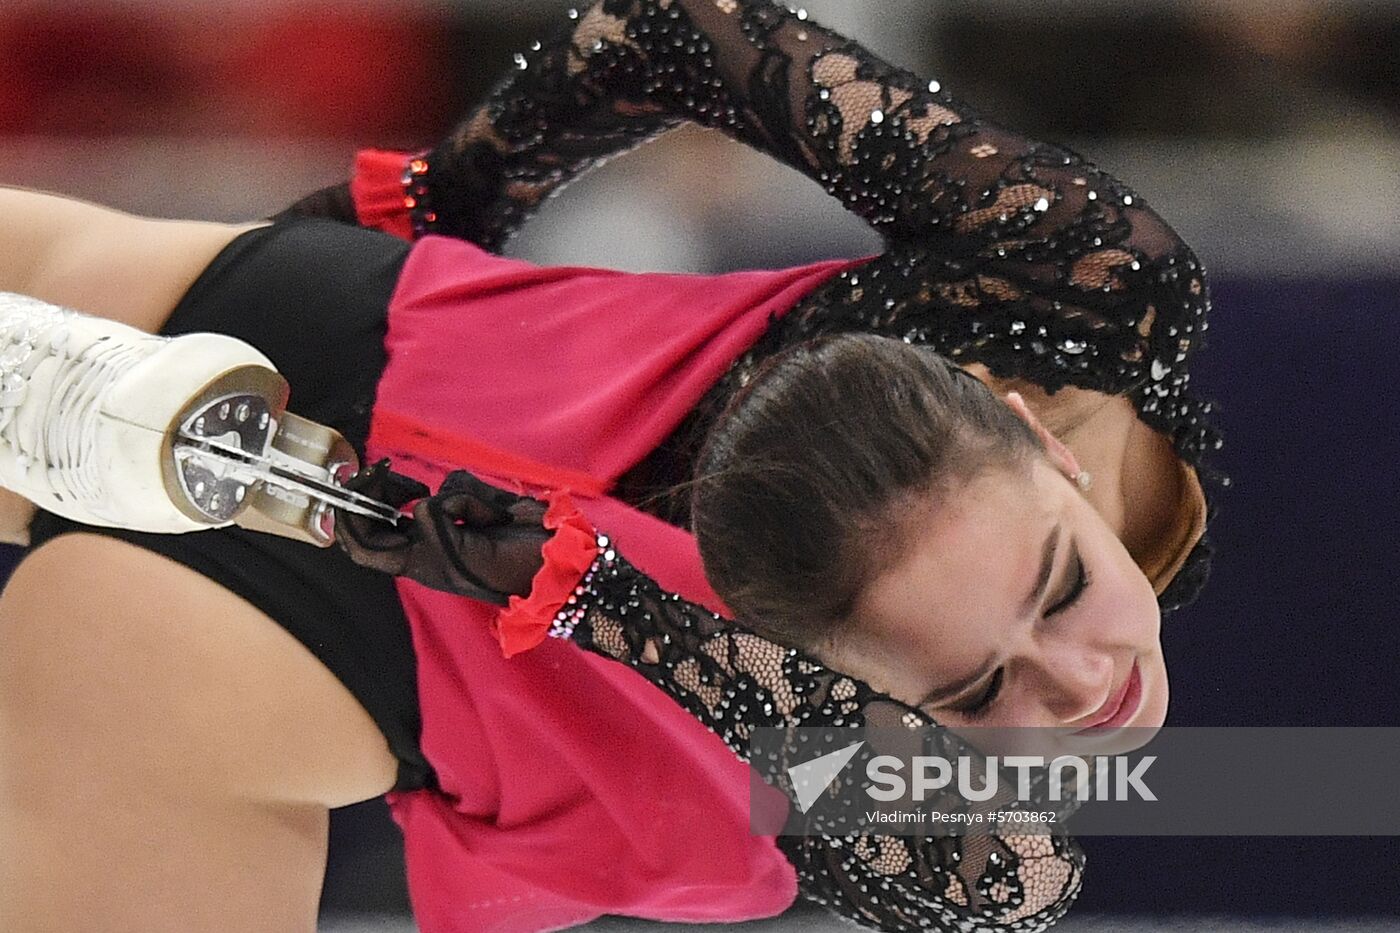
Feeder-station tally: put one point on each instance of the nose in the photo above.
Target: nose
(1075, 680)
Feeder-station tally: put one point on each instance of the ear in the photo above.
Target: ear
(1061, 455)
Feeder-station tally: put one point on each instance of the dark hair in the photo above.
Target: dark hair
(799, 484)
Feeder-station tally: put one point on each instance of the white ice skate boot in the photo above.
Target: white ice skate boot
(107, 425)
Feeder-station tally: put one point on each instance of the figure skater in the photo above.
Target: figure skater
(872, 516)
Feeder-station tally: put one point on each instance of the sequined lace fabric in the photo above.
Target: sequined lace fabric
(737, 682)
(999, 250)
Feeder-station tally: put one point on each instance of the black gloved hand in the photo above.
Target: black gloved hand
(470, 538)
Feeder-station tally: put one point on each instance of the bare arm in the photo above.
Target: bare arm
(102, 262)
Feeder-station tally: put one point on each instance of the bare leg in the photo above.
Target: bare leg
(168, 754)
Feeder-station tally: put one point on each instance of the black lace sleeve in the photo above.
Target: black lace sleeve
(1000, 249)
(736, 682)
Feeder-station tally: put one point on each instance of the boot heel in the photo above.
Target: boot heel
(241, 409)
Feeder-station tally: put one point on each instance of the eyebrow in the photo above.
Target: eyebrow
(1037, 594)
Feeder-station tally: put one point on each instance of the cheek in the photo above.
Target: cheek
(1156, 695)
(1122, 605)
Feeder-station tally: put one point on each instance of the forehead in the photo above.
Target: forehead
(968, 562)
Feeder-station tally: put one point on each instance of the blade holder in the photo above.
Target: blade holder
(226, 452)
(216, 485)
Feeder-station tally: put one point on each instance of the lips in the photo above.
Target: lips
(1121, 706)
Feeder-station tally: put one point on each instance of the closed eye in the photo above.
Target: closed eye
(1080, 584)
(979, 706)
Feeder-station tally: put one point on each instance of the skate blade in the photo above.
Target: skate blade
(237, 455)
(291, 513)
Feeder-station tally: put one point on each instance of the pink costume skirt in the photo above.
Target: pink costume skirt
(569, 786)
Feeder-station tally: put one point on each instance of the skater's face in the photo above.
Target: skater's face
(984, 622)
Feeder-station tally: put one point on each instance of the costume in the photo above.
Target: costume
(1001, 250)
(567, 786)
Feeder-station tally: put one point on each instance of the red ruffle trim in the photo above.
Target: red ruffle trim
(377, 189)
(524, 623)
